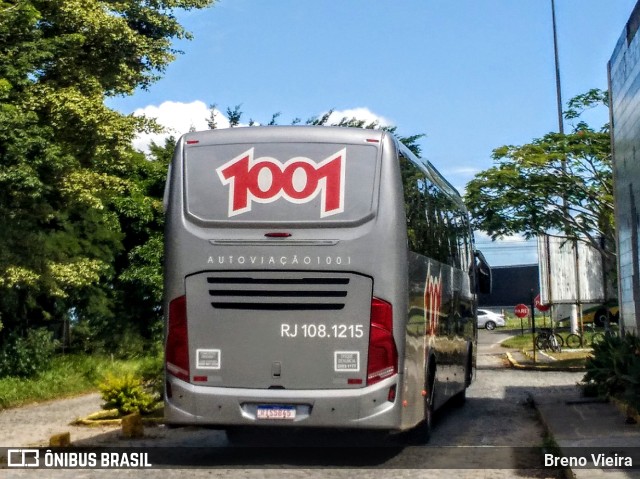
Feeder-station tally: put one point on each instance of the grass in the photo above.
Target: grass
(69, 375)
(522, 341)
(568, 358)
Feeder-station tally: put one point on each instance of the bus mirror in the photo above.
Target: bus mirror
(483, 272)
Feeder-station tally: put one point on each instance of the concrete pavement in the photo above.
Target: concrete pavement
(577, 423)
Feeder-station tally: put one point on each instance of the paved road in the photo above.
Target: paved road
(497, 413)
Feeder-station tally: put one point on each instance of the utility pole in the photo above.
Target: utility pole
(557, 59)
(565, 212)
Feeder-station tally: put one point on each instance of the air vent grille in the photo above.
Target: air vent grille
(306, 293)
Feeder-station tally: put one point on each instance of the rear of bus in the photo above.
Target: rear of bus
(285, 279)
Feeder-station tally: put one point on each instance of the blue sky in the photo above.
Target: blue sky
(471, 75)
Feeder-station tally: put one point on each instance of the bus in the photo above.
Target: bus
(315, 277)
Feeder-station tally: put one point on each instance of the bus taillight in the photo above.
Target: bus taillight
(177, 352)
(383, 355)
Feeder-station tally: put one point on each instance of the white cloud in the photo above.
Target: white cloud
(462, 170)
(360, 113)
(177, 118)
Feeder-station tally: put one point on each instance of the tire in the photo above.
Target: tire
(554, 344)
(427, 424)
(559, 339)
(541, 342)
(573, 341)
(601, 317)
(461, 398)
(490, 325)
(422, 432)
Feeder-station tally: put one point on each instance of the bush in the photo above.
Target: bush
(614, 369)
(152, 372)
(127, 394)
(27, 356)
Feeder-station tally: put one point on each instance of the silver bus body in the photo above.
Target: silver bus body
(314, 277)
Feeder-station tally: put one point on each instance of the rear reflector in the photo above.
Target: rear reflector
(391, 397)
(383, 354)
(177, 349)
(278, 235)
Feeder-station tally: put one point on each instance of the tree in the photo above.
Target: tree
(235, 114)
(72, 189)
(525, 191)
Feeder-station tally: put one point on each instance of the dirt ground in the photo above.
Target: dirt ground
(34, 424)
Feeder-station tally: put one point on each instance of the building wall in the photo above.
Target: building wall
(624, 89)
(511, 285)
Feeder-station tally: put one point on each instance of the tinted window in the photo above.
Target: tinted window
(280, 182)
(435, 226)
(415, 188)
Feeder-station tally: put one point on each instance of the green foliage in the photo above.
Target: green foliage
(68, 375)
(151, 371)
(614, 368)
(525, 190)
(234, 114)
(80, 209)
(65, 376)
(127, 394)
(26, 356)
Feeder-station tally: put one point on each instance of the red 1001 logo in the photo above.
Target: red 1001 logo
(432, 302)
(299, 180)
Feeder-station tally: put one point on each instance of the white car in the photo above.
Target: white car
(489, 320)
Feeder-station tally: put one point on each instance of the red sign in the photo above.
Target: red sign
(298, 180)
(539, 306)
(432, 302)
(521, 310)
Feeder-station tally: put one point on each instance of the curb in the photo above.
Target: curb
(539, 366)
(105, 418)
(568, 472)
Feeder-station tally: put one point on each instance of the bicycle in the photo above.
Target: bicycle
(548, 340)
(575, 340)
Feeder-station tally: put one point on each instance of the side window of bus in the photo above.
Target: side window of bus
(464, 242)
(415, 195)
(442, 250)
(453, 223)
(435, 226)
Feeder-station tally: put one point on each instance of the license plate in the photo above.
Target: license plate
(276, 412)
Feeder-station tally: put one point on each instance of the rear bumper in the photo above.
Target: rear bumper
(362, 408)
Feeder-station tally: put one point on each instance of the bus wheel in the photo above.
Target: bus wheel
(422, 432)
(461, 398)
